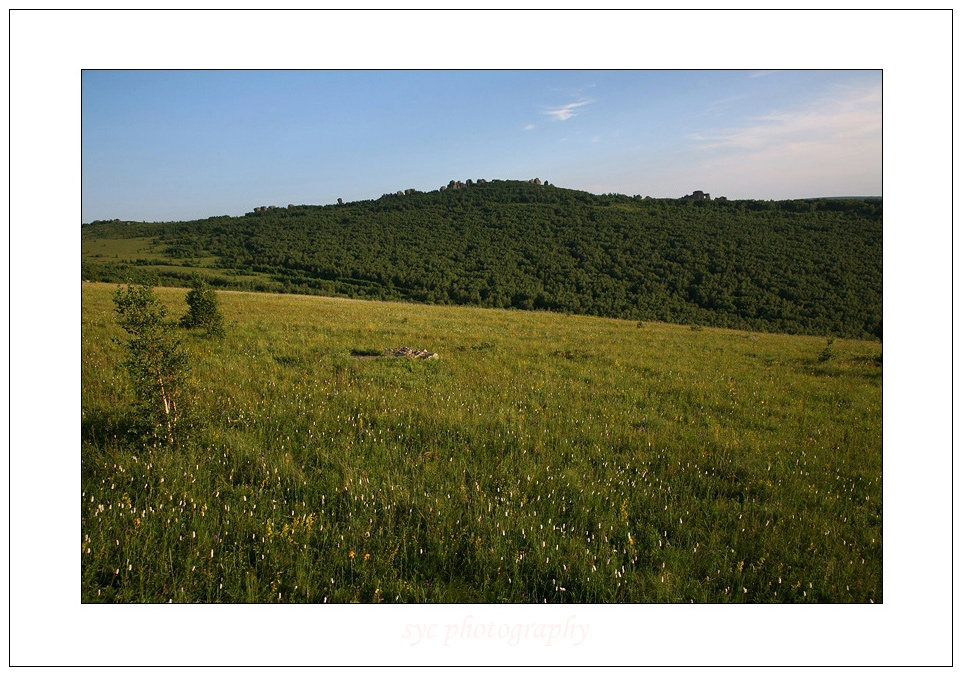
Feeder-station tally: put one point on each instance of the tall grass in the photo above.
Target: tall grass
(542, 458)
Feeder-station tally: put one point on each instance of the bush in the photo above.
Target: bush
(827, 353)
(203, 310)
(156, 361)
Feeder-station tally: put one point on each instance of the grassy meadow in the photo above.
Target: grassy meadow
(541, 458)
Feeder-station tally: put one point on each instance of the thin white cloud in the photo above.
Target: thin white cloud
(528, 127)
(567, 111)
(848, 115)
(836, 139)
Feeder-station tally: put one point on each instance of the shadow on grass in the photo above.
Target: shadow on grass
(100, 426)
(863, 367)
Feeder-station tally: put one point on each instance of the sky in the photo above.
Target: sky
(160, 145)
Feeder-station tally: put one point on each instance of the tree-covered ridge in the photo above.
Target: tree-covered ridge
(801, 266)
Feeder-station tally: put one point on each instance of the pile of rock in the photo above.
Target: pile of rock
(409, 353)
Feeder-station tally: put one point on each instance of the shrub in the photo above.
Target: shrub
(827, 353)
(156, 361)
(203, 310)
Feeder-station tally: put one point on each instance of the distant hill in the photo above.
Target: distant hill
(798, 266)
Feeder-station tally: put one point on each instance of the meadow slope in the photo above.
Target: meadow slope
(542, 457)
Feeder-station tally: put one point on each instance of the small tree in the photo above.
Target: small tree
(156, 361)
(203, 310)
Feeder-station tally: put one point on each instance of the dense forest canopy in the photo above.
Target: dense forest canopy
(800, 266)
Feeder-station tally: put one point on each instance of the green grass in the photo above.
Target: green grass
(149, 255)
(543, 457)
(146, 252)
(130, 248)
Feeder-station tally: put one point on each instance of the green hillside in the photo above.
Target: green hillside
(804, 266)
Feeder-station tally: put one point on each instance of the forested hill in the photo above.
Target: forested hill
(802, 266)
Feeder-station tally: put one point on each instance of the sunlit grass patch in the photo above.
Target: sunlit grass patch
(542, 457)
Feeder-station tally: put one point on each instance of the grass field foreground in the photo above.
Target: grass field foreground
(542, 457)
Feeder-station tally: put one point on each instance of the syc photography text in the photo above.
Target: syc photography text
(570, 633)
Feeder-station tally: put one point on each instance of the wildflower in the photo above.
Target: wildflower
(351, 555)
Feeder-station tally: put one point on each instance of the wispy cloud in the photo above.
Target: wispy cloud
(840, 117)
(835, 137)
(567, 111)
(528, 127)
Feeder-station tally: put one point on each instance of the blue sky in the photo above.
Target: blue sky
(184, 144)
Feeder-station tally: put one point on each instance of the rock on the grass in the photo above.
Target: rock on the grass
(409, 353)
